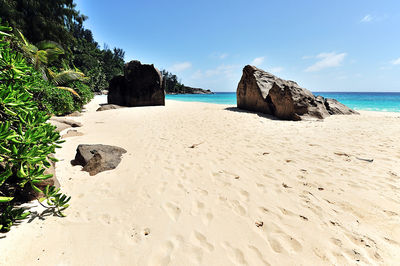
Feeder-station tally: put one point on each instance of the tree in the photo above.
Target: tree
(42, 19)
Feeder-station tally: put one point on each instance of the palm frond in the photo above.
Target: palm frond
(22, 37)
(70, 90)
(68, 76)
(41, 57)
(44, 45)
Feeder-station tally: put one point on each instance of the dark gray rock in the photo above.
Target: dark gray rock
(141, 85)
(106, 107)
(263, 92)
(336, 108)
(97, 158)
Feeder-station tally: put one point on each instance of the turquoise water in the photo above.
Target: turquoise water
(370, 101)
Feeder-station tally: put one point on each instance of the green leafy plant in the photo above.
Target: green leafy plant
(26, 139)
(11, 216)
(56, 202)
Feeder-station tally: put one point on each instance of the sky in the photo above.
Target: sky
(351, 45)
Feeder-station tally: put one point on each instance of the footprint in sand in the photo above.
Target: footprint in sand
(235, 255)
(275, 245)
(198, 209)
(203, 241)
(163, 257)
(172, 210)
(287, 212)
(259, 255)
(238, 208)
(276, 236)
(244, 195)
(162, 187)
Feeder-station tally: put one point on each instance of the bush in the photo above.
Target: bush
(26, 139)
(60, 102)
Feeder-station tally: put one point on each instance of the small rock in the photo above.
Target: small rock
(259, 223)
(106, 107)
(72, 133)
(63, 123)
(75, 114)
(98, 158)
(303, 217)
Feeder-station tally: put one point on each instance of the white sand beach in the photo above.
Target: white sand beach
(254, 191)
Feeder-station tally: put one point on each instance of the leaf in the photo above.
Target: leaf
(68, 76)
(6, 199)
(22, 37)
(5, 175)
(35, 188)
(70, 90)
(5, 34)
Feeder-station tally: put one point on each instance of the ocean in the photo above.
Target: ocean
(369, 101)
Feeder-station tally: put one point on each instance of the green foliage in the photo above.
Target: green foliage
(60, 22)
(56, 202)
(99, 65)
(26, 139)
(171, 83)
(40, 55)
(56, 101)
(10, 216)
(42, 19)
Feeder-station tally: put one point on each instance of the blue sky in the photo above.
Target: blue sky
(351, 45)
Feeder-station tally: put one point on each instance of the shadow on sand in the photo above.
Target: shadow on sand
(235, 109)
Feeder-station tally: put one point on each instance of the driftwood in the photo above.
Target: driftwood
(195, 145)
(358, 158)
(366, 160)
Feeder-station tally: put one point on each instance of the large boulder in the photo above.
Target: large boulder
(336, 108)
(263, 92)
(140, 85)
(97, 158)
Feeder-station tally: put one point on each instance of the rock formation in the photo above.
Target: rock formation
(336, 108)
(98, 158)
(106, 107)
(263, 92)
(140, 85)
(190, 90)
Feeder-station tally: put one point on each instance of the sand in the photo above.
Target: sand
(253, 191)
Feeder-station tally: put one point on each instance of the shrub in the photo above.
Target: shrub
(59, 102)
(26, 139)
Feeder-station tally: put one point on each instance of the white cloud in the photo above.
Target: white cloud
(367, 18)
(219, 55)
(226, 71)
(257, 61)
(179, 67)
(223, 56)
(327, 60)
(197, 75)
(276, 70)
(396, 61)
